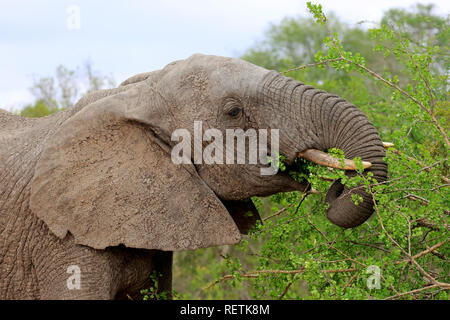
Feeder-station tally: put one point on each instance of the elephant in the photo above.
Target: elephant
(92, 191)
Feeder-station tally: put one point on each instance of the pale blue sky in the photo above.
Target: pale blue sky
(128, 37)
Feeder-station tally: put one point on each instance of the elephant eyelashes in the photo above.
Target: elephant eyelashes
(235, 112)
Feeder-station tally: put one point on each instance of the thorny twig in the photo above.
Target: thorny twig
(313, 64)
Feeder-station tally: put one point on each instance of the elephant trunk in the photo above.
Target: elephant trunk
(347, 128)
(325, 121)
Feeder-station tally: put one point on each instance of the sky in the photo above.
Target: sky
(129, 37)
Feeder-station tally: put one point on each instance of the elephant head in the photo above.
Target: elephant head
(107, 177)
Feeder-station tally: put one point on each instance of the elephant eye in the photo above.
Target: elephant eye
(234, 112)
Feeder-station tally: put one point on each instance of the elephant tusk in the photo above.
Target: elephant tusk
(387, 145)
(324, 159)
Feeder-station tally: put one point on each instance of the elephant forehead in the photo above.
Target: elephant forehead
(220, 75)
(237, 74)
(236, 80)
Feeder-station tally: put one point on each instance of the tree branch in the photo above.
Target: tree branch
(256, 274)
(411, 292)
(429, 250)
(313, 65)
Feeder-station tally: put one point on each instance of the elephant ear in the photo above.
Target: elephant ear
(106, 178)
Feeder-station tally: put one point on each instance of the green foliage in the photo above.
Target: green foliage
(152, 293)
(59, 92)
(39, 109)
(397, 74)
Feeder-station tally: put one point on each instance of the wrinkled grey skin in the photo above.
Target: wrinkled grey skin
(94, 186)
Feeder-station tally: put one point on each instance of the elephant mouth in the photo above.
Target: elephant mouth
(296, 168)
(293, 174)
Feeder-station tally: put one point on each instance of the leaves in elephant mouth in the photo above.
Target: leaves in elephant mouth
(298, 170)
